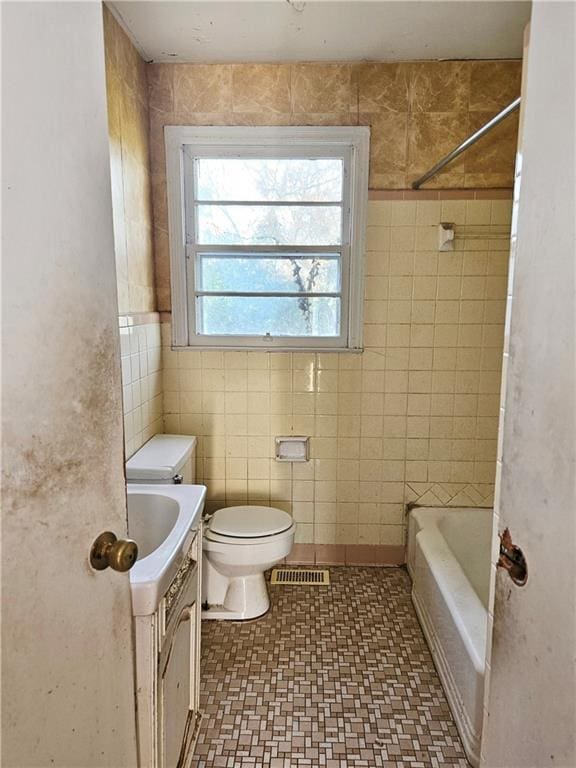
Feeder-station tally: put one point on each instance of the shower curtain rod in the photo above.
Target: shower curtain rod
(468, 142)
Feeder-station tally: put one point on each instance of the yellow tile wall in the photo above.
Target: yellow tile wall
(128, 126)
(417, 111)
(412, 418)
(141, 360)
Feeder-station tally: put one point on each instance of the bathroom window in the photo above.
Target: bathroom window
(266, 236)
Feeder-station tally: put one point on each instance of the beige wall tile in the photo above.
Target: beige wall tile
(443, 86)
(130, 169)
(383, 87)
(387, 142)
(142, 385)
(434, 134)
(261, 88)
(322, 88)
(160, 79)
(493, 84)
(202, 88)
(318, 118)
(496, 152)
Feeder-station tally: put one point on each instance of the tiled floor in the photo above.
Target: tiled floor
(332, 677)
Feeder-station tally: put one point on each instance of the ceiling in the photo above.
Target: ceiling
(323, 30)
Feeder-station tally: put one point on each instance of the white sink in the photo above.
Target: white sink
(162, 520)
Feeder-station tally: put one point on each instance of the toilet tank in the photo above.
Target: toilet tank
(164, 459)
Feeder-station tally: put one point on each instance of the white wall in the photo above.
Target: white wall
(530, 715)
(67, 657)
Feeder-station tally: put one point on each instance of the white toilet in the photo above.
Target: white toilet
(239, 544)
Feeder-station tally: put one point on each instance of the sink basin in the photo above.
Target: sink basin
(162, 520)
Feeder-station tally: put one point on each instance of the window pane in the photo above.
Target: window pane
(290, 273)
(269, 179)
(268, 225)
(259, 315)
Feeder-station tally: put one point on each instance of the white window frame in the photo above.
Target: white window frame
(349, 143)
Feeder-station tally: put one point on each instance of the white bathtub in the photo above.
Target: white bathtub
(449, 562)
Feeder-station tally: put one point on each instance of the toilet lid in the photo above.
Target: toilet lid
(249, 522)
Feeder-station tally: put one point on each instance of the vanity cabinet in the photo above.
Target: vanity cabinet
(168, 670)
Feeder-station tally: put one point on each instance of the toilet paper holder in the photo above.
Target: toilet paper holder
(292, 448)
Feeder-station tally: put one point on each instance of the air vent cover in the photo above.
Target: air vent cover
(312, 577)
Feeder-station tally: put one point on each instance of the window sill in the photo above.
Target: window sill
(220, 348)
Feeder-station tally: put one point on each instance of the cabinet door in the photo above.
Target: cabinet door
(176, 691)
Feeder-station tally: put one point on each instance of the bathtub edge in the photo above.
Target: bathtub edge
(470, 739)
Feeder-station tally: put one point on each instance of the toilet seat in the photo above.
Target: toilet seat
(218, 541)
(248, 522)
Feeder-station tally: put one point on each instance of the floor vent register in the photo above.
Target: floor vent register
(313, 577)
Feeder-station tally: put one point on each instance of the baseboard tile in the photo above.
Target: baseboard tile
(330, 554)
(347, 554)
(301, 554)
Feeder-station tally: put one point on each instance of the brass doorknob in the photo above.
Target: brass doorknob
(107, 550)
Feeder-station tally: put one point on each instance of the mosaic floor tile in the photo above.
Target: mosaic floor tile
(331, 677)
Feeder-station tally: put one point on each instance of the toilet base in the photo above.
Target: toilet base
(219, 613)
(246, 598)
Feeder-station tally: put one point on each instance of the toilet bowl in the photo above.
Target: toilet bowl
(239, 545)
